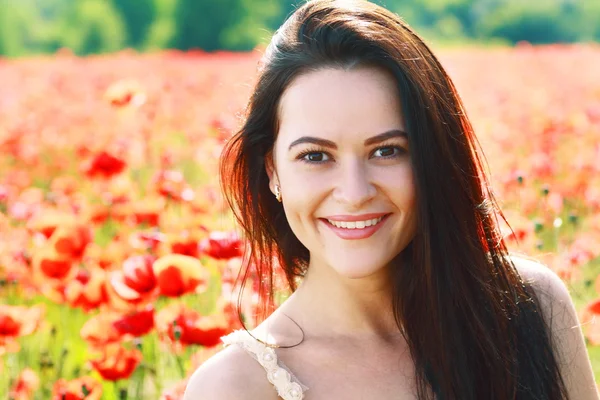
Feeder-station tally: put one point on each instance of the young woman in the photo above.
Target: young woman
(357, 172)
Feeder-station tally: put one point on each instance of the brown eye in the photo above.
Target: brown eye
(313, 157)
(389, 151)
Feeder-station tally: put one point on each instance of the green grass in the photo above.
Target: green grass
(582, 292)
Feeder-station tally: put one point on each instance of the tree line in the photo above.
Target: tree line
(101, 26)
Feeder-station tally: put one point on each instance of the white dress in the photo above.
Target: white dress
(287, 385)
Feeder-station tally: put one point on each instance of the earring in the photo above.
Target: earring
(277, 193)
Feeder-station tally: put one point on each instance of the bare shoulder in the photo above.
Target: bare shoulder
(553, 294)
(560, 314)
(541, 278)
(231, 374)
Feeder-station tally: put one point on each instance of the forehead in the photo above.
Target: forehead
(330, 102)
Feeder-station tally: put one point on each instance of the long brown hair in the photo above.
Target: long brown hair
(474, 328)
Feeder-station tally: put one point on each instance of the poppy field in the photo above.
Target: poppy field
(118, 255)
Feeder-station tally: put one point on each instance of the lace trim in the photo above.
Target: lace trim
(287, 385)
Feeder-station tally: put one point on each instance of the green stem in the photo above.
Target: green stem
(158, 362)
(64, 318)
(140, 383)
(180, 366)
(116, 390)
(4, 384)
(153, 375)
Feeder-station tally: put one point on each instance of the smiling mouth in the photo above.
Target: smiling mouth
(355, 224)
(356, 230)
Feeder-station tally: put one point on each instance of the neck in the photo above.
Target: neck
(327, 305)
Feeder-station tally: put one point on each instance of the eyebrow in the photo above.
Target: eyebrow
(372, 140)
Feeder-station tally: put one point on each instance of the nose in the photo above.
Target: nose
(354, 187)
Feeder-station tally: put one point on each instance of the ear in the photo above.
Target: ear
(270, 169)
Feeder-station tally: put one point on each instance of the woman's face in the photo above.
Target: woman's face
(341, 153)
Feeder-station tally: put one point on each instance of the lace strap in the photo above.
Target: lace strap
(287, 385)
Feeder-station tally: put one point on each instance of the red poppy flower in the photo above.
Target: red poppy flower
(136, 282)
(71, 240)
(138, 273)
(16, 321)
(87, 290)
(222, 245)
(98, 213)
(25, 386)
(125, 93)
(136, 323)
(47, 263)
(186, 247)
(117, 362)
(189, 327)
(103, 165)
(178, 274)
(589, 321)
(147, 211)
(149, 218)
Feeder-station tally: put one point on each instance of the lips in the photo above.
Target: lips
(359, 233)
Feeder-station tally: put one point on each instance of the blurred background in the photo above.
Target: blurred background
(118, 254)
(29, 27)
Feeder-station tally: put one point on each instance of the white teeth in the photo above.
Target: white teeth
(355, 224)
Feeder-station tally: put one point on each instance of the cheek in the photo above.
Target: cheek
(400, 187)
(300, 203)
(305, 186)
